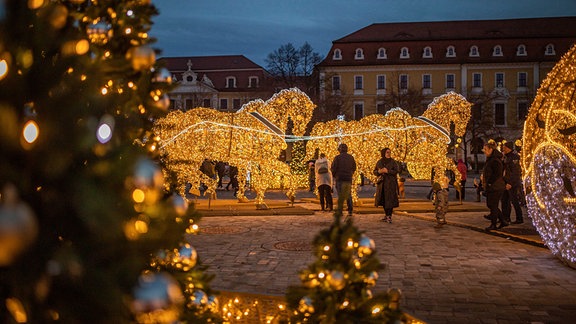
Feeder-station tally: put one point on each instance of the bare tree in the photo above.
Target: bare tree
(293, 67)
(408, 98)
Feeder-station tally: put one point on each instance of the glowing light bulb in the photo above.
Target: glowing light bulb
(31, 131)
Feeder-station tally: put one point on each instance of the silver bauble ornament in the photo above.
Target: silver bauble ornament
(155, 292)
(18, 225)
(147, 175)
(180, 204)
(162, 75)
(305, 305)
(187, 256)
(336, 280)
(99, 32)
(372, 278)
(199, 298)
(161, 103)
(365, 246)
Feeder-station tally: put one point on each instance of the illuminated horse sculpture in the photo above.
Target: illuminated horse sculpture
(250, 139)
(420, 142)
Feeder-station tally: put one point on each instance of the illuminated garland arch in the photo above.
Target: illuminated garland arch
(549, 159)
(420, 142)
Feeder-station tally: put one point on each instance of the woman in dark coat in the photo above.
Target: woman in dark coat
(494, 185)
(387, 189)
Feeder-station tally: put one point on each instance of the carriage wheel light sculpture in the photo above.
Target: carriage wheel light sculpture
(549, 161)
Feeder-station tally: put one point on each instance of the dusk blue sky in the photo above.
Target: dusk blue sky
(254, 28)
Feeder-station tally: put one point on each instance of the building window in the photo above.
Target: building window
(230, 82)
(381, 82)
(497, 51)
(522, 79)
(382, 53)
(335, 83)
(499, 80)
(474, 51)
(426, 81)
(358, 110)
(188, 104)
(224, 104)
(550, 50)
(404, 53)
(380, 108)
(206, 103)
(450, 51)
(359, 54)
(236, 104)
(522, 110)
(477, 80)
(403, 82)
(337, 54)
(253, 82)
(521, 50)
(499, 114)
(450, 81)
(427, 52)
(358, 82)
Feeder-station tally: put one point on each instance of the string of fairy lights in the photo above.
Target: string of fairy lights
(549, 159)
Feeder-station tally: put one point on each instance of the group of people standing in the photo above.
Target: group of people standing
(502, 184)
(341, 171)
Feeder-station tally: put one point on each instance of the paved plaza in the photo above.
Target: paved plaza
(455, 274)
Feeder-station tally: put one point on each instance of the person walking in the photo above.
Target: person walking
(441, 200)
(343, 168)
(513, 180)
(324, 182)
(386, 196)
(463, 169)
(494, 185)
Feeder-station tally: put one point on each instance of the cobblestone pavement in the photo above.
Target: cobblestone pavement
(455, 274)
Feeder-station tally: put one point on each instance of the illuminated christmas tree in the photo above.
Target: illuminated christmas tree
(336, 287)
(83, 203)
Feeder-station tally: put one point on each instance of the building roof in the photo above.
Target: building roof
(534, 33)
(208, 63)
(465, 29)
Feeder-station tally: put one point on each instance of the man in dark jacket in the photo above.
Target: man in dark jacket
(343, 168)
(513, 180)
(494, 185)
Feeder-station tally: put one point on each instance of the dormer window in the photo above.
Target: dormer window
(497, 51)
(404, 53)
(253, 82)
(427, 52)
(450, 51)
(521, 50)
(337, 54)
(382, 53)
(230, 82)
(550, 50)
(474, 51)
(359, 54)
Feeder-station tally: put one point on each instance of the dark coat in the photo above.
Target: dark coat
(387, 190)
(343, 167)
(512, 169)
(494, 173)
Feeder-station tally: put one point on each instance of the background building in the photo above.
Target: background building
(220, 82)
(496, 64)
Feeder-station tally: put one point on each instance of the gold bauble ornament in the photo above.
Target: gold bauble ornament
(336, 280)
(141, 57)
